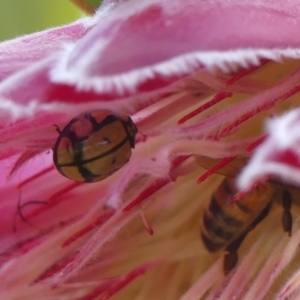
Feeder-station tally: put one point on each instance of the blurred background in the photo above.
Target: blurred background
(19, 17)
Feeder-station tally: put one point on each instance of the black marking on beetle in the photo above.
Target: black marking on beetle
(77, 149)
(87, 174)
(82, 162)
(131, 130)
(105, 122)
(91, 119)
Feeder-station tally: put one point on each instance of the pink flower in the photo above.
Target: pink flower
(199, 79)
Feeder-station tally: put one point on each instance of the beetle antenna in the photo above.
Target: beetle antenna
(20, 213)
(57, 128)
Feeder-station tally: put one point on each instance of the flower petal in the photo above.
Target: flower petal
(278, 155)
(156, 43)
(20, 52)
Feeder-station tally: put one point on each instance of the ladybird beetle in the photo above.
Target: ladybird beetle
(94, 145)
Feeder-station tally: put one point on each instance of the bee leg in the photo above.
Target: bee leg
(231, 258)
(287, 220)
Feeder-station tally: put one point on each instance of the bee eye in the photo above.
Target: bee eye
(94, 145)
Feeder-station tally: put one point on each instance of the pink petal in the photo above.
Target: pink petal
(278, 155)
(21, 52)
(158, 42)
(111, 3)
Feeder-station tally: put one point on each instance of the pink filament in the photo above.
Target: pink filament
(154, 187)
(246, 72)
(146, 223)
(216, 99)
(98, 222)
(34, 177)
(124, 280)
(225, 161)
(226, 131)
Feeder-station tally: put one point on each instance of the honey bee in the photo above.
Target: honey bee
(225, 225)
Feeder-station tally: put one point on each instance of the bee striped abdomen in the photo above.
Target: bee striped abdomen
(222, 221)
(94, 145)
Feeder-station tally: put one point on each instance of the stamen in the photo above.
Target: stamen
(273, 266)
(154, 187)
(35, 176)
(146, 223)
(216, 99)
(146, 193)
(125, 281)
(225, 161)
(23, 158)
(101, 289)
(291, 286)
(98, 222)
(246, 72)
(256, 144)
(52, 201)
(250, 114)
(56, 269)
(204, 283)
(247, 109)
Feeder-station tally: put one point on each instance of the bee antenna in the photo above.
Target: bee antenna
(142, 134)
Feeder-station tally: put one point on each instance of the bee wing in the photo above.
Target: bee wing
(231, 169)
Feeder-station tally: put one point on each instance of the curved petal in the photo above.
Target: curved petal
(155, 43)
(20, 52)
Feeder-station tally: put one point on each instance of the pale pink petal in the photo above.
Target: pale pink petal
(20, 52)
(111, 3)
(278, 155)
(156, 43)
